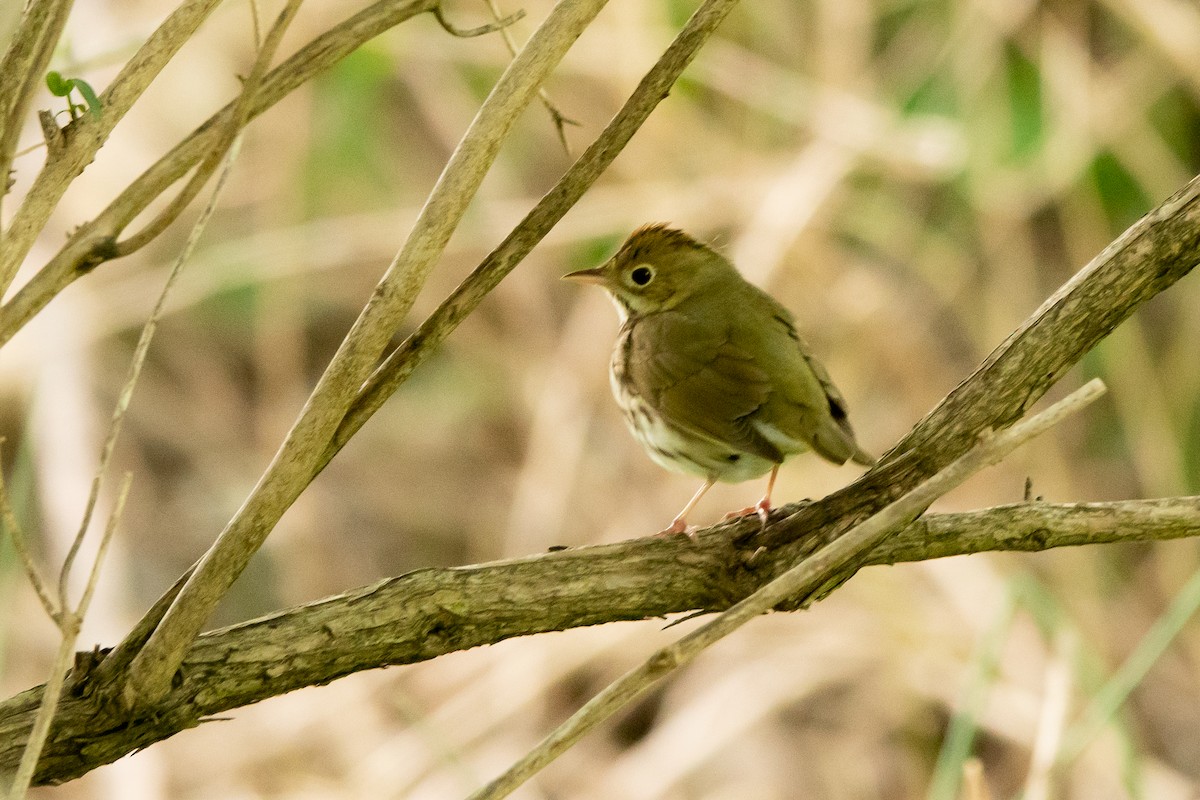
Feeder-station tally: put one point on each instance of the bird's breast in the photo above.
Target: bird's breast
(668, 444)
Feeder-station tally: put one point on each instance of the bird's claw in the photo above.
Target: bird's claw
(678, 526)
(762, 509)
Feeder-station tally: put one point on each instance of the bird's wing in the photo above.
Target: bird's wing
(700, 380)
(807, 405)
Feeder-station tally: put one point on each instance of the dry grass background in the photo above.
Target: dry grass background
(910, 177)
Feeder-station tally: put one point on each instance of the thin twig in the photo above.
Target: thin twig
(560, 119)
(439, 14)
(89, 589)
(223, 155)
(21, 546)
(210, 163)
(138, 361)
(69, 624)
(229, 153)
(69, 621)
(255, 25)
(141, 633)
(800, 579)
(29, 149)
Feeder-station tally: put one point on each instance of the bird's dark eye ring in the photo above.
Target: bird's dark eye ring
(641, 275)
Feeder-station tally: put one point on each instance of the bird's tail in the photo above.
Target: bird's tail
(836, 442)
(860, 456)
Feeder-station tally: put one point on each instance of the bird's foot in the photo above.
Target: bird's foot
(761, 509)
(678, 526)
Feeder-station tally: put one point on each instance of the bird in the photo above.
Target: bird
(711, 377)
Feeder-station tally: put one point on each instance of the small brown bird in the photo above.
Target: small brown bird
(709, 371)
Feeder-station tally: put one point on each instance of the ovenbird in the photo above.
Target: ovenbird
(708, 370)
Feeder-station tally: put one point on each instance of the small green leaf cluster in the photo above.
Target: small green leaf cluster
(62, 87)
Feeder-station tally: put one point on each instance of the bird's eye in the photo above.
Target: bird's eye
(641, 275)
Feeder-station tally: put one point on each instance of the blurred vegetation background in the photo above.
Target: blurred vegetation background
(911, 177)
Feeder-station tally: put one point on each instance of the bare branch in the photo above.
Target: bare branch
(68, 620)
(1152, 254)
(392, 373)
(561, 121)
(51, 692)
(408, 619)
(238, 119)
(226, 154)
(139, 359)
(89, 589)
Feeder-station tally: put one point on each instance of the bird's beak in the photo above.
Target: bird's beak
(595, 276)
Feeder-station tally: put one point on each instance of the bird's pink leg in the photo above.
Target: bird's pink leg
(763, 507)
(679, 524)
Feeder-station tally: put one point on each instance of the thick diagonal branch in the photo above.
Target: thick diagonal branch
(150, 673)
(854, 546)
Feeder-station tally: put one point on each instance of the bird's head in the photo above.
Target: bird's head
(655, 269)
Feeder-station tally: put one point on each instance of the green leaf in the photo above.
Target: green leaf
(964, 725)
(57, 84)
(1176, 117)
(1025, 103)
(62, 87)
(935, 95)
(352, 156)
(1122, 196)
(85, 89)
